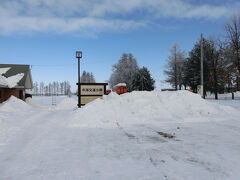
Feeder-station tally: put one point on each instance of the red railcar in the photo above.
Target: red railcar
(120, 88)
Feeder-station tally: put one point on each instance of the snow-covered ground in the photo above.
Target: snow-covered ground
(227, 96)
(139, 135)
(48, 100)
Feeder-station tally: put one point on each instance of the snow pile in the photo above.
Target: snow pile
(121, 137)
(146, 107)
(10, 81)
(237, 93)
(14, 104)
(67, 103)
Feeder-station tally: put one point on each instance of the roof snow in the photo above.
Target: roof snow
(11, 81)
(121, 84)
(4, 70)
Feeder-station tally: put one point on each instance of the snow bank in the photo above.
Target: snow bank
(128, 142)
(67, 103)
(144, 107)
(14, 104)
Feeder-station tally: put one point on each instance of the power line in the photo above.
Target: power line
(64, 65)
(52, 65)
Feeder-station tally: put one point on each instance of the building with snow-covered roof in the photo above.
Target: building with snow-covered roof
(15, 79)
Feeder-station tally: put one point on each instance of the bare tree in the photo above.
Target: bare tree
(46, 90)
(213, 51)
(41, 88)
(61, 88)
(232, 29)
(124, 71)
(175, 67)
(35, 88)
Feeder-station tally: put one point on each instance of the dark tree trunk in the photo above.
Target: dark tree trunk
(180, 87)
(215, 81)
(238, 66)
(238, 88)
(232, 92)
(216, 95)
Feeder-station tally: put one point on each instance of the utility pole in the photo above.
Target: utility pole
(202, 81)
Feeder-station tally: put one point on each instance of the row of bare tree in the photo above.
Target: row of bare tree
(52, 88)
(221, 62)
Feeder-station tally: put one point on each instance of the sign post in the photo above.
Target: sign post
(79, 56)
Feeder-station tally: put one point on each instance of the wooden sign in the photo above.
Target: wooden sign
(87, 99)
(91, 91)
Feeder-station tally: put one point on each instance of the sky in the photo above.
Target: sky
(47, 33)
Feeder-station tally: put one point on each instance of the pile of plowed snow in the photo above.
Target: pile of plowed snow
(67, 103)
(14, 104)
(143, 107)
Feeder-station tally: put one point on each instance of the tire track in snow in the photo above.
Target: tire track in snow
(137, 138)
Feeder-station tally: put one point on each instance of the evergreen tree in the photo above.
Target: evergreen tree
(92, 79)
(193, 67)
(87, 77)
(143, 80)
(211, 64)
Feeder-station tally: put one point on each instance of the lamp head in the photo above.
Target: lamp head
(78, 54)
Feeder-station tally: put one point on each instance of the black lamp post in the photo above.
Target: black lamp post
(79, 56)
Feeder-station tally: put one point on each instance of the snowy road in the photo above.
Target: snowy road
(120, 143)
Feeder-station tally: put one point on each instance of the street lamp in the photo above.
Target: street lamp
(79, 56)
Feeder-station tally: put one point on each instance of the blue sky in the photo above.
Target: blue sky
(46, 33)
